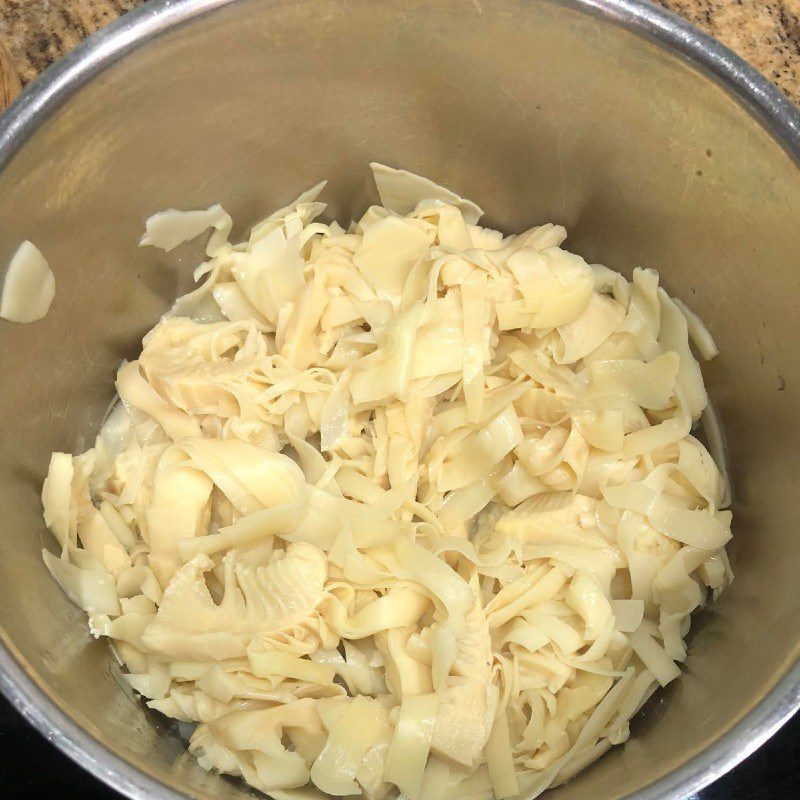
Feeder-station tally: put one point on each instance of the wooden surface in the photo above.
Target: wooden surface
(765, 32)
(10, 85)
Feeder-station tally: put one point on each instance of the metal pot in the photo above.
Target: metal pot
(652, 143)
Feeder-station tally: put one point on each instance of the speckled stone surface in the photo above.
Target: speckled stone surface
(37, 32)
(765, 32)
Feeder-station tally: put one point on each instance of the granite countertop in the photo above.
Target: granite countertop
(764, 32)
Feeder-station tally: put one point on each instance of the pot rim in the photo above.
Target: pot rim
(42, 97)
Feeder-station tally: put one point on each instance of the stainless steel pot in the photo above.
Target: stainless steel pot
(648, 140)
